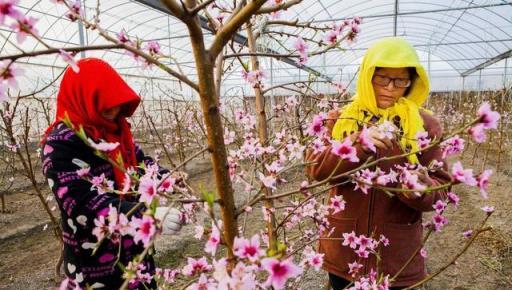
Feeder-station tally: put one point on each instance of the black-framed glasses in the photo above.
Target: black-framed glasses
(397, 82)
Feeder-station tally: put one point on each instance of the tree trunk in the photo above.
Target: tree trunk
(205, 63)
(262, 134)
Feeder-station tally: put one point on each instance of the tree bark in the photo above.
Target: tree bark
(205, 64)
(262, 134)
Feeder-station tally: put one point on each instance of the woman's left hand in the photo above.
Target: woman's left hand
(423, 178)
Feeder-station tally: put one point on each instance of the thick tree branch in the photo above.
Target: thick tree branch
(233, 24)
(295, 23)
(292, 83)
(57, 50)
(275, 55)
(199, 7)
(175, 8)
(282, 6)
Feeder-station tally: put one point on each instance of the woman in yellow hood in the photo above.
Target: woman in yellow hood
(392, 86)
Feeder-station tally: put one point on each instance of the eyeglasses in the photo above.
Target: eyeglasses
(397, 82)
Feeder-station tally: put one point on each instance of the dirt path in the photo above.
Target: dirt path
(487, 265)
(27, 260)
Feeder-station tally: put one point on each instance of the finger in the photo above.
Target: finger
(174, 211)
(174, 219)
(374, 134)
(425, 179)
(388, 142)
(372, 129)
(173, 227)
(169, 232)
(379, 144)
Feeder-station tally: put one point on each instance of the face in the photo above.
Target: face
(112, 113)
(388, 95)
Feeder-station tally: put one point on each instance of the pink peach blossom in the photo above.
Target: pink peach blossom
(423, 140)
(8, 9)
(468, 233)
(463, 175)
(280, 271)
(483, 182)
(354, 268)
(213, 241)
(452, 146)
(146, 229)
(153, 47)
(439, 206)
(316, 127)
(365, 140)
(24, 26)
(331, 37)
(75, 11)
(8, 74)
(147, 189)
(350, 239)
(203, 284)
(488, 117)
(453, 198)
(477, 132)
(337, 204)
(269, 181)
(488, 209)
(195, 267)
(68, 58)
(245, 249)
(345, 150)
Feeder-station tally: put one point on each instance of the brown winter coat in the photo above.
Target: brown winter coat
(397, 218)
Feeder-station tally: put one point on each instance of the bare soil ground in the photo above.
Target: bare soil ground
(29, 252)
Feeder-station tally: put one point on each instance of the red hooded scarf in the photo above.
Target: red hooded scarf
(84, 95)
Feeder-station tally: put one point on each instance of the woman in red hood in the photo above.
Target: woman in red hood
(99, 100)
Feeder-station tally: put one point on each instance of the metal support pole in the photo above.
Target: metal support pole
(505, 77)
(341, 77)
(81, 31)
(324, 63)
(300, 77)
(272, 100)
(428, 61)
(479, 82)
(428, 69)
(169, 36)
(395, 18)
(462, 91)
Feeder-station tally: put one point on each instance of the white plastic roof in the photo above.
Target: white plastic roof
(456, 36)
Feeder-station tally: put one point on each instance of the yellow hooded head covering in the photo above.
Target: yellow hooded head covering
(392, 52)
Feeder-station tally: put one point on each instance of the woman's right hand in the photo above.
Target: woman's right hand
(379, 140)
(171, 219)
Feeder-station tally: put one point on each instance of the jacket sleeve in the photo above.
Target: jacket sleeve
(324, 163)
(74, 194)
(439, 177)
